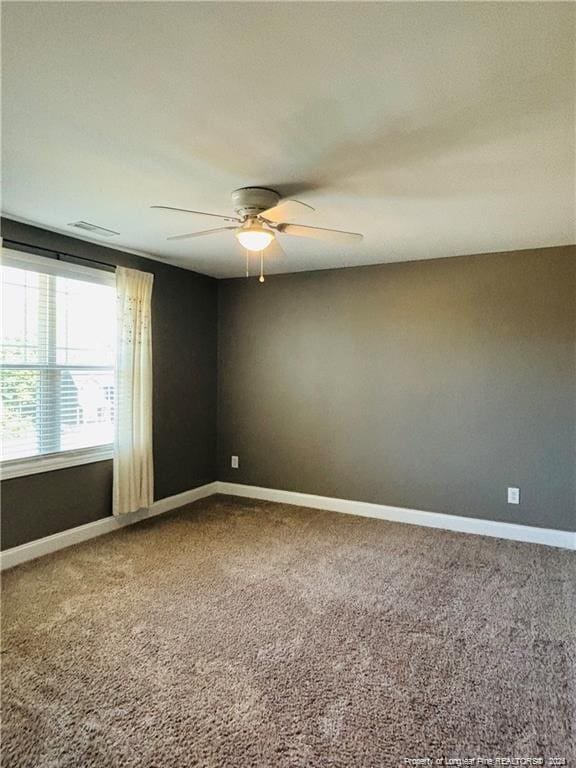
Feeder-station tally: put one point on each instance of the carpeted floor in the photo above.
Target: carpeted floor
(236, 633)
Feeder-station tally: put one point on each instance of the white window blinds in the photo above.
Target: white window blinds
(57, 356)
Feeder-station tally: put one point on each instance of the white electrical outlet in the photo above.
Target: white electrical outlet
(234, 462)
(513, 495)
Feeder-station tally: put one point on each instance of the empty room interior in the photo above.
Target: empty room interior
(288, 378)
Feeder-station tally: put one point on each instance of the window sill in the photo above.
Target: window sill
(34, 465)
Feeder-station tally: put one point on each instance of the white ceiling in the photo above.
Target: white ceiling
(435, 129)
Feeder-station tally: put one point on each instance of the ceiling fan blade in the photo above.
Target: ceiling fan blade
(199, 234)
(197, 213)
(287, 210)
(318, 233)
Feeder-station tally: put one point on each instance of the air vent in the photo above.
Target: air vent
(96, 230)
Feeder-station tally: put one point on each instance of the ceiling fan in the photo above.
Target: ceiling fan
(261, 214)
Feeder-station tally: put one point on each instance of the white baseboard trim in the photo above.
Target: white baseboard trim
(548, 536)
(56, 541)
(39, 547)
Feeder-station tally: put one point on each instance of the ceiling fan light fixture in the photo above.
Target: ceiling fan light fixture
(254, 237)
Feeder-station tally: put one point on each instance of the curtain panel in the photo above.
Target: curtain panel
(133, 461)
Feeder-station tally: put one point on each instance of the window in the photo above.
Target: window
(57, 358)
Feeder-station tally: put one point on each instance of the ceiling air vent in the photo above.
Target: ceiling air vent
(86, 226)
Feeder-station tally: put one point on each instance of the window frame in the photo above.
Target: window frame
(48, 462)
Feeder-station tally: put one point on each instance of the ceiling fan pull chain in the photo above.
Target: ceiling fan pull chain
(247, 264)
(261, 278)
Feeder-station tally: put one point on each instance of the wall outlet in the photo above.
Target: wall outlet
(513, 495)
(234, 463)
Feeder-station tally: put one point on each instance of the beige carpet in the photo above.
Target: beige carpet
(236, 633)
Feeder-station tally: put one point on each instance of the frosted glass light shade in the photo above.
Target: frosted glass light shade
(254, 238)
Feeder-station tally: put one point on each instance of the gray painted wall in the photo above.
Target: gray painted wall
(431, 385)
(184, 308)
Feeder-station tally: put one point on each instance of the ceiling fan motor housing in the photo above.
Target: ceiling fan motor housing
(250, 201)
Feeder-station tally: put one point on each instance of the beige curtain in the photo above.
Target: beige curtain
(133, 465)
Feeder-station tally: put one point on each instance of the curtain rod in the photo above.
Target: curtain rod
(57, 255)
